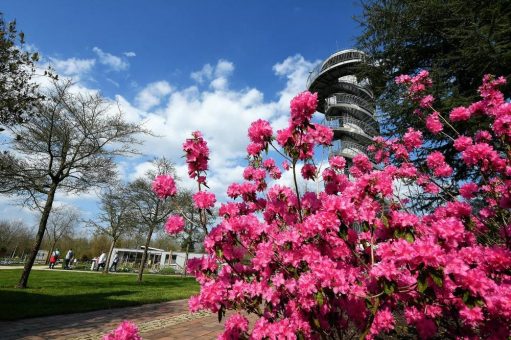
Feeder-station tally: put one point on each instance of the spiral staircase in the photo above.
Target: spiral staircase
(346, 102)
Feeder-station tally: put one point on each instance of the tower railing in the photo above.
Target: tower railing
(347, 148)
(344, 98)
(335, 122)
(341, 57)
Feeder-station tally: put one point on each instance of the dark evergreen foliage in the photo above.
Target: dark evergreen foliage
(458, 41)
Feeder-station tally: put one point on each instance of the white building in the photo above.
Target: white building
(156, 258)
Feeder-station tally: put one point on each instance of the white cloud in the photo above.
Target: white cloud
(72, 66)
(110, 60)
(152, 94)
(217, 75)
(223, 115)
(130, 54)
(296, 70)
(204, 74)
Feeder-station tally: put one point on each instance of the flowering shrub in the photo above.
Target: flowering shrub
(352, 259)
(125, 331)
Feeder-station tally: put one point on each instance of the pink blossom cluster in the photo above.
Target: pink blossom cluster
(174, 224)
(197, 156)
(164, 186)
(321, 265)
(204, 200)
(125, 331)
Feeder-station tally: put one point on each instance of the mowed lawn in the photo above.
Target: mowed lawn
(63, 292)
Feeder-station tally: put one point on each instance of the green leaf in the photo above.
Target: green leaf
(320, 299)
(437, 278)
(409, 237)
(388, 287)
(422, 285)
(385, 221)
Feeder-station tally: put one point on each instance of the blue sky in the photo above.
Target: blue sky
(180, 66)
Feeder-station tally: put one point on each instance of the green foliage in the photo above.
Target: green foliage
(458, 41)
(62, 292)
(18, 93)
(167, 271)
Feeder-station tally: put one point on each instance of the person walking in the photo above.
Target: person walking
(113, 267)
(68, 258)
(101, 261)
(54, 258)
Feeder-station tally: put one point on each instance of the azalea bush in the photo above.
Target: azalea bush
(353, 259)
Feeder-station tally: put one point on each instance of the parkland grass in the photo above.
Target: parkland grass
(64, 292)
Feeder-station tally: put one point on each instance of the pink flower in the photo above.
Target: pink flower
(254, 149)
(467, 190)
(204, 199)
(471, 316)
(412, 139)
(383, 321)
(164, 186)
(483, 136)
(309, 171)
(174, 224)
(436, 161)
(337, 162)
(462, 142)
(459, 113)
(321, 134)
(433, 123)
(285, 138)
(302, 108)
(260, 131)
(426, 101)
(502, 125)
(125, 331)
(197, 154)
(403, 79)
(234, 326)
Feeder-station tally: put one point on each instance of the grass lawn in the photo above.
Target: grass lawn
(59, 292)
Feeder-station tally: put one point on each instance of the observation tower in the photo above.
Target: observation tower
(346, 102)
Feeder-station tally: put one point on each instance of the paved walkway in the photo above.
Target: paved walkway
(162, 321)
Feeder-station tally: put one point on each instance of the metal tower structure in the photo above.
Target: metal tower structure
(346, 102)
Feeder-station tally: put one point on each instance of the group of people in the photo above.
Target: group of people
(68, 259)
(97, 263)
(100, 263)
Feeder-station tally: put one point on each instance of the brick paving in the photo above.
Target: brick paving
(162, 321)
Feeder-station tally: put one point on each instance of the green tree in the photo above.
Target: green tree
(18, 93)
(458, 41)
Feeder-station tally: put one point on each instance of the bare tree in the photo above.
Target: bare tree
(151, 212)
(116, 218)
(69, 145)
(13, 234)
(193, 233)
(62, 221)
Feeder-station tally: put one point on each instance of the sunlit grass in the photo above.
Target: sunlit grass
(59, 292)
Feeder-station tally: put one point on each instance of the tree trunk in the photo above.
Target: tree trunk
(39, 237)
(186, 255)
(144, 255)
(107, 266)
